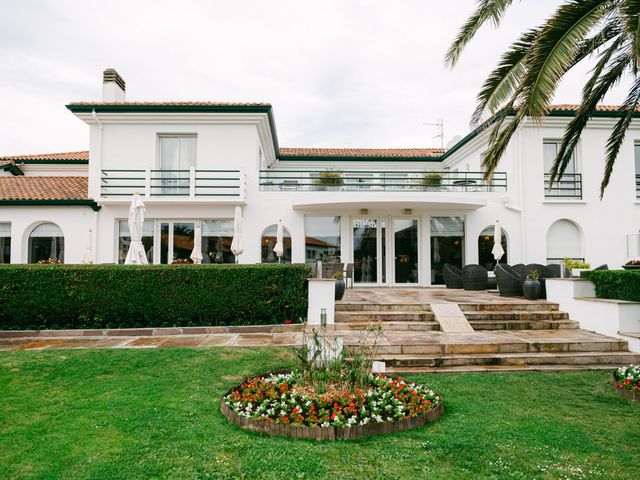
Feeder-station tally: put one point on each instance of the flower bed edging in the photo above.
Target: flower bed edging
(328, 433)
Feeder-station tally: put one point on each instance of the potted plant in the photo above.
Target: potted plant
(632, 265)
(340, 285)
(576, 266)
(329, 180)
(532, 288)
(432, 181)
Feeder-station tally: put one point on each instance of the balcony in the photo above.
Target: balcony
(569, 186)
(383, 181)
(174, 184)
(638, 186)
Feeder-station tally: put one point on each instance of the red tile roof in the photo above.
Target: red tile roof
(569, 107)
(81, 155)
(362, 152)
(43, 188)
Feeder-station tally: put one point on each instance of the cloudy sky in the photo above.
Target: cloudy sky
(343, 73)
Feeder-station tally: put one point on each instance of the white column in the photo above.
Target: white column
(321, 300)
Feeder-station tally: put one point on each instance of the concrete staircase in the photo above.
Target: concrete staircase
(511, 336)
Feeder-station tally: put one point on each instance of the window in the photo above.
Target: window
(636, 152)
(177, 238)
(217, 236)
(567, 186)
(177, 156)
(447, 245)
(564, 240)
(485, 246)
(322, 238)
(46, 241)
(124, 239)
(268, 242)
(5, 243)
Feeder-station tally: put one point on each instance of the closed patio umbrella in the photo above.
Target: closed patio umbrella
(279, 248)
(87, 258)
(497, 249)
(236, 244)
(136, 254)
(196, 253)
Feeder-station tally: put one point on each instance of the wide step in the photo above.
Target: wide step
(342, 317)
(524, 324)
(512, 359)
(496, 369)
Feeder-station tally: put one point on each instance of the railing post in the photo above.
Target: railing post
(242, 184)
(192, 182)
(147, 183)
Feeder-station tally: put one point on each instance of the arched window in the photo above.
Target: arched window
(46, 241)
(268, 241)
(564, 240)
(485, 245)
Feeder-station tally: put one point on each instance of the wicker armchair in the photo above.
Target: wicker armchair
(553, 271)
(602, 267)
(474, 277)
(452, 276)
(509, 283)
(518, 268)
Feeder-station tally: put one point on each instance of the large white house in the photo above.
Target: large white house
(398, 214)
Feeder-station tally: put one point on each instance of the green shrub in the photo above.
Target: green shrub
(615, 284)
(119, 296)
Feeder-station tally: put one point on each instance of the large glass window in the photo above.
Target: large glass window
(268, 242)
(46, 241)
(5, 243)
(177, 156)
(485, 246)
(567, 186)
(322, 238)
(217, 236)
(405, 241)
(124, 239)
(447, 245)
(183, 236)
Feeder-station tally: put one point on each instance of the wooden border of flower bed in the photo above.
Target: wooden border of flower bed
(327, 433)
(625, 393)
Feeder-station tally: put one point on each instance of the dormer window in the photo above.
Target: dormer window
(177, 154)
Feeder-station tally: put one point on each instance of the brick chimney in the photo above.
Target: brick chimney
(113, 86)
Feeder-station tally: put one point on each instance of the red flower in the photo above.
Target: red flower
(288, 322)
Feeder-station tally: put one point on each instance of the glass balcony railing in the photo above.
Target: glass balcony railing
(172, 183)
(568, 186)
(638, 186)
(385, 181)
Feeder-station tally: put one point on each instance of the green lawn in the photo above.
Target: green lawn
(155, 414)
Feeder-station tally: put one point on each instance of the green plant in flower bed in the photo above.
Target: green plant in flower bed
(628, 378)
(279, 398)
(615, 284)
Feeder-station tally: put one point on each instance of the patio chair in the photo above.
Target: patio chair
(508, 280)
(474, 277)
(348, 275)
(452, 276)
(602, 267)
(518, 267)
(554, 271)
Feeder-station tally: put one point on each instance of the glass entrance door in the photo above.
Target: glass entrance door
(405, 249)
(369, 250)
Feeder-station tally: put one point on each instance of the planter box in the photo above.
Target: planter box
(624, 393)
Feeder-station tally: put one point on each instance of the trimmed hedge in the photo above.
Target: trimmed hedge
(39, 297)
(615, 284)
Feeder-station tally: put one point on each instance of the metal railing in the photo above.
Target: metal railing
(171, 183)
(637, 186)
(377, 180)
(567, 186)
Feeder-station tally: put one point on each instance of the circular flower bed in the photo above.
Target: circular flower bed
(627, 382)
(274, 403)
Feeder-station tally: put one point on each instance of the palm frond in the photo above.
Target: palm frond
(504, 80)
(630, 19)
(555, 49)
(629, 107)
(593, 92)
(488, 10)
(498, 146)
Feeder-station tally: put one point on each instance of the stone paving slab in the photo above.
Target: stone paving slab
(451, 318)
(429, 295)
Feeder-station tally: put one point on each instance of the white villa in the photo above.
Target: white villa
(397, 214)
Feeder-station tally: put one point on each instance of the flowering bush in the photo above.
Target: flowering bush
(181, 261)
(47, 261)
(628, 378)
(280, 398)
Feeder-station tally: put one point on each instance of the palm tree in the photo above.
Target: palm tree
(526, 78)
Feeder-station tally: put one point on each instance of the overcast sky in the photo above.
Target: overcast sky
(341, 73)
